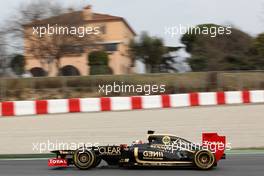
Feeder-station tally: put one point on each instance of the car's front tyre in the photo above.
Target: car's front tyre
(84, 159)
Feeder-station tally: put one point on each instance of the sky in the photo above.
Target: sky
(155, 15)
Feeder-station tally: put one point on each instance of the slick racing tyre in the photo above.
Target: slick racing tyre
(84, 159)
(204, 159)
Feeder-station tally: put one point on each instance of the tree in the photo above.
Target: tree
(152, 52)
(98, 62)
(27, 13)
(3, 54)
(259, 44)
(221, 52)
(48, 49)
(256, 52)
(18, 64)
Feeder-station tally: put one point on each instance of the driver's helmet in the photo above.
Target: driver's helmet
(138, 142)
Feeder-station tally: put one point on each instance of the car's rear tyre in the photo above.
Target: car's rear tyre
(204, 159)
(84, 159)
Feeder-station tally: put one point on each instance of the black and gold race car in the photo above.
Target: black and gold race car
(161, 150)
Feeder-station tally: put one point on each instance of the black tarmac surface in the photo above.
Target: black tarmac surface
(234, 165)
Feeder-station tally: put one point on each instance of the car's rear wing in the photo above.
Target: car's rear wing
(215, 143)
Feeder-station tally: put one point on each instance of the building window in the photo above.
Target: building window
(69, 70)
(111, 47)
(38, 72)
(72, 49)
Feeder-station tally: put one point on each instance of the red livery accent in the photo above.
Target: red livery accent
(215, 143)
(57, 162)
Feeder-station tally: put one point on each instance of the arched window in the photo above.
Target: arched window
(38, 72)
(69, 70)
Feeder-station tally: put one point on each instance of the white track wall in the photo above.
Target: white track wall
(38, 107)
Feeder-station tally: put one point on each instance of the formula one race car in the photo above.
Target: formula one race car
(161, 150)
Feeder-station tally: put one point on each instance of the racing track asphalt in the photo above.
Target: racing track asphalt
(234, 165)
